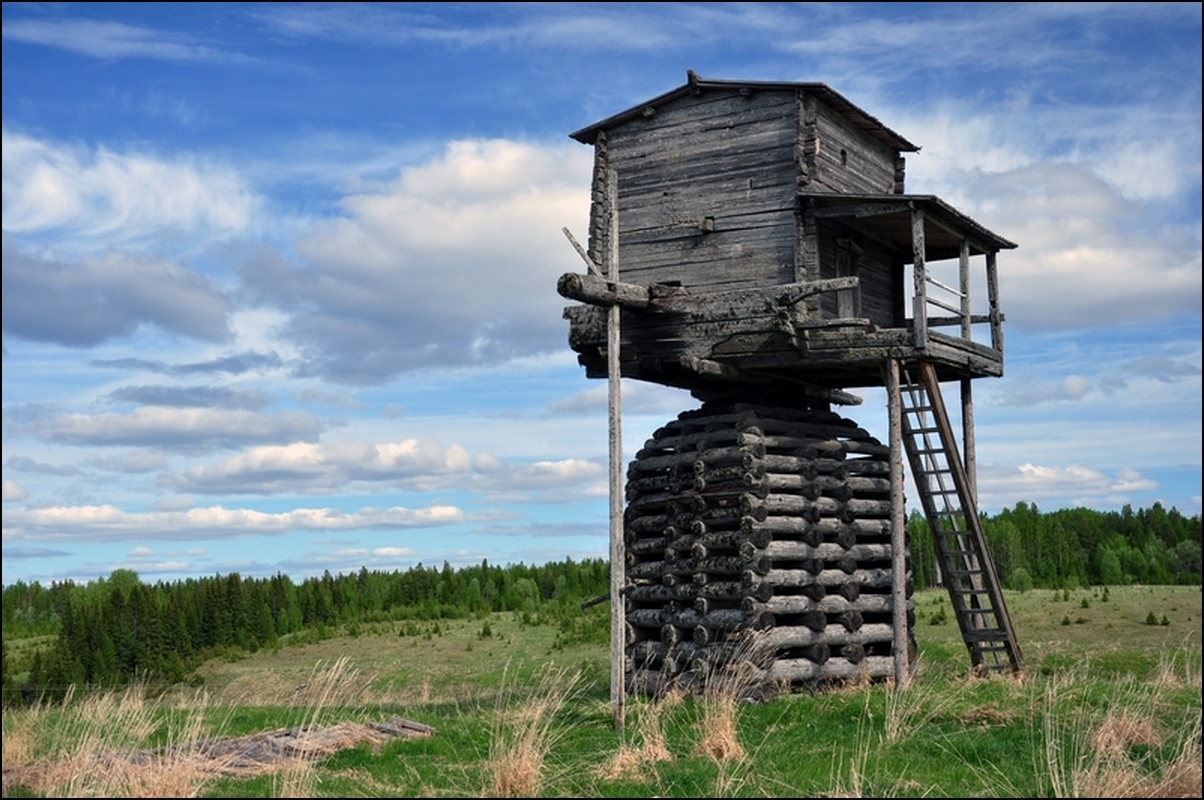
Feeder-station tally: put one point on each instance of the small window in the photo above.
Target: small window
(844, 158)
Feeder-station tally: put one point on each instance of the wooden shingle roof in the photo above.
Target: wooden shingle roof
(696, 85)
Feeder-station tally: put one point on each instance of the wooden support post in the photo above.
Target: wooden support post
(898, 530)
(919, 310)
(963, 274)
(618, 559)
(993, 304)
(968, 442)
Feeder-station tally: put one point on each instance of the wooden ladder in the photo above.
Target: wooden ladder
(952, 512)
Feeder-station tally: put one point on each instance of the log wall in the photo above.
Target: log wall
(758, 538)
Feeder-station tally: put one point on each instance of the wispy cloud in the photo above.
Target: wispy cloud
(116, 197)
(454, 263)
(108, 523)
(86, 302)
(999, 485)
(177, 428)
(191, 397)
(115, 40)
(306, 468)
(234, 364)
(13, 492)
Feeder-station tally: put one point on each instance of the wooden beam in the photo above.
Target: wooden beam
(963, 273)
(993, 304)
(590, 264)
(919, 301)
(862, 210)
(599, 291)
(968, 440)
(901, 647)
(618, 559)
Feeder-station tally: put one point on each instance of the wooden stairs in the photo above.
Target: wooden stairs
(952, 512)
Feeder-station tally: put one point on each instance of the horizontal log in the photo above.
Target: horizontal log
(654, 545)
(659, 593)
(598, 291)
(804, 671)
(794, 505)
(863, 578)
(791, 551)
(648, 682)
(783, 637)
(831, 604)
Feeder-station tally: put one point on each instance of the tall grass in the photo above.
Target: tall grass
(525, 731)
(645, 745)
(1128, 748)
(101, 746)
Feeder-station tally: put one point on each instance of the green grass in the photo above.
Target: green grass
(1105, 701)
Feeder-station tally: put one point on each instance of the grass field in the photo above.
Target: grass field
(1110, 706)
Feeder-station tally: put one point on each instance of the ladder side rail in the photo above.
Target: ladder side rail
(970, 509)
(916, 391)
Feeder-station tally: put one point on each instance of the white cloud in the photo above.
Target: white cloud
(321, 468)
(112, 40)
(563, 480)
(118, 197)
(13, 491)
(393, 552)
(636, 397)
(84, 303)
(1000, 486)
(108, 523)
(1023, 392)
(171, 428)
(453, 263)
(1087, 257)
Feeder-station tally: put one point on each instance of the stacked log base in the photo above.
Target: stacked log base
(758, 551)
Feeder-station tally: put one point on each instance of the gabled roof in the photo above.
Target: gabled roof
(696, 84)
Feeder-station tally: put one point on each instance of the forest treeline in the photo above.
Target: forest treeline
(114, 630)
(118, 629)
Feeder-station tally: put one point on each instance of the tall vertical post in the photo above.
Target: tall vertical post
(919, 309)
(898, 530)
(993, 304)
(968, 442)
(963, 277)
(618, 559)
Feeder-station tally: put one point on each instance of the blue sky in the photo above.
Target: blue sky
(279, 280)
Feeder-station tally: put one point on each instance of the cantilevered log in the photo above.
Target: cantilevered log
(598, 291)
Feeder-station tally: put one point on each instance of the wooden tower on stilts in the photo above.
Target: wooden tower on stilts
(772, 261)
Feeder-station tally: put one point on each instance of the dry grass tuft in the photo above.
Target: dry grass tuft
(724, 686)
(719, 740)
(633, 761)
(97, 747)
(524, 734)
(1122, 753)
(1122, 730)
